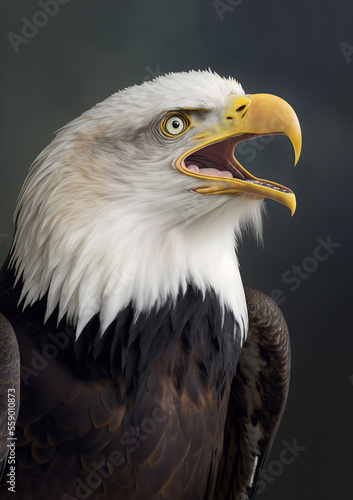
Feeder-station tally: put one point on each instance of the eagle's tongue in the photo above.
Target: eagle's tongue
(209, 171)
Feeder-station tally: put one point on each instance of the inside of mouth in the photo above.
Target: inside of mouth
(218, 160)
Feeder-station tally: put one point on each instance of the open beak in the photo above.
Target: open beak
(245, 118)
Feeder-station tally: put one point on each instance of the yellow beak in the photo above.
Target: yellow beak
(246, 118)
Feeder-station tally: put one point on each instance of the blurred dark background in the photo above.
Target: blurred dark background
(300, 51)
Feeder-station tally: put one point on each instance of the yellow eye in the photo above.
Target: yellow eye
(174, 125)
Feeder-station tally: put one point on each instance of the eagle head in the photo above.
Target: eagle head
(142, 195)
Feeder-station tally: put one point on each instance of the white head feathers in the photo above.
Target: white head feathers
(105, 218)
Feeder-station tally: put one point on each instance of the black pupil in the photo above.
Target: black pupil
(176, 124)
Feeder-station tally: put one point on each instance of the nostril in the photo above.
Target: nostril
(241, 108)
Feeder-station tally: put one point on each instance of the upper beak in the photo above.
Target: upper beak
(265, 114)
(247, 117)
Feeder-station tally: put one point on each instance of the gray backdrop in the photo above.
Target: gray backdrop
(300, 51)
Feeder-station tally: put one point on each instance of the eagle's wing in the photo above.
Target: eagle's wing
(9, 387)
(257, 400)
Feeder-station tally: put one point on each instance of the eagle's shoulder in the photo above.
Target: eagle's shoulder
(9, 386)
(257, 401)
(268, 342)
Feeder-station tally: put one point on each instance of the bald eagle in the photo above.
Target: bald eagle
(145, 369)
